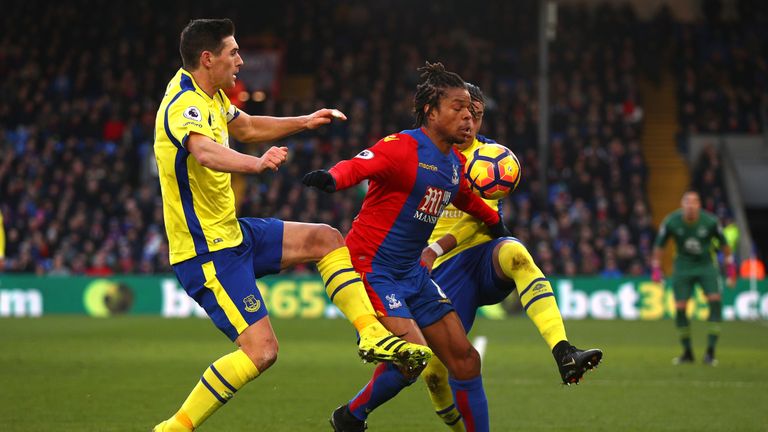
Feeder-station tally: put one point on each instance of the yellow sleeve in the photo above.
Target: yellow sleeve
(465, 228)
(469, 232)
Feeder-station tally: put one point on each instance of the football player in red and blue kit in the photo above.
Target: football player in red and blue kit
(412, 176)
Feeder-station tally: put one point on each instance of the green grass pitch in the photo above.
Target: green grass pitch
(126, 374)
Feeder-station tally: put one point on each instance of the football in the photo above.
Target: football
(493, 171)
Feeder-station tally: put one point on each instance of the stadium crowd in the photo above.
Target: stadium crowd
(77, 185)
(722, 71)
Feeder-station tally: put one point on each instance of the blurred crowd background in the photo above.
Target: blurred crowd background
(81, 86)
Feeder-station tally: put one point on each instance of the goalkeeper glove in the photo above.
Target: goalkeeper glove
(320, 179)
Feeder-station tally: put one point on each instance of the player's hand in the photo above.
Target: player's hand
(656, 274)
(323, 117)
(428, 257)
(499, 229)
(320, 179)
(730, 273)
(272, 159)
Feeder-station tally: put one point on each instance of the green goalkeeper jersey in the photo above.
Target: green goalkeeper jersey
(696, 242)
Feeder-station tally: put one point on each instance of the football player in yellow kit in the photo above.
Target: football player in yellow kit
(217, 256)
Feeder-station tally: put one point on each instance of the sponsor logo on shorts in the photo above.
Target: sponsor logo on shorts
(252, 304)
(394, 303)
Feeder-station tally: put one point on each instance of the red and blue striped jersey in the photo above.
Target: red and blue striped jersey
(410, 183)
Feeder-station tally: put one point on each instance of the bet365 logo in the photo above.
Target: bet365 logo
(434, 201)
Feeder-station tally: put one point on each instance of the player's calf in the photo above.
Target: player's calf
(436, 378)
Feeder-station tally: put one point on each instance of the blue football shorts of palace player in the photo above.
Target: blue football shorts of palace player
(408, 294)
(469, 280)
(224, 282)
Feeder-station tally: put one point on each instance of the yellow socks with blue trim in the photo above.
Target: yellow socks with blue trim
(218, 385)
(535, 291)
(345, 288)
(436, 377)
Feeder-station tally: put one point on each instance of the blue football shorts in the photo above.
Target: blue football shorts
(224, 282)
(412, 295)
(469, 280)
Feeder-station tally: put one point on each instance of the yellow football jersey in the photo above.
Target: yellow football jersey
(468, 230)
(198, 203)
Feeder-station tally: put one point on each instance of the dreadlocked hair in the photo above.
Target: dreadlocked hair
(434, 80)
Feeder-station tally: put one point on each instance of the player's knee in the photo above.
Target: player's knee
(518, 255)
(715, 310)
(514, 258)
(264, 356)
(466, 363)
(268, 357)
(327, 239)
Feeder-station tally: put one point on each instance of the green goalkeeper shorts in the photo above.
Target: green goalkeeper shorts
(708, 279)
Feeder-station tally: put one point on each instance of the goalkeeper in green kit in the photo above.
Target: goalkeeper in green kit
(697, 235)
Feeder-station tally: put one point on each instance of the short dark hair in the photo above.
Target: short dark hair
(203, 35)
(475, 93)
(434, 80)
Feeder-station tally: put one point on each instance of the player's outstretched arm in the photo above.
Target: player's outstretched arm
(255, 129)
(219, 158)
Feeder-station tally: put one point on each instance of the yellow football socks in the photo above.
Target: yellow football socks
(535, 291)
(345, 288)
(217, 385)
(436, 377)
